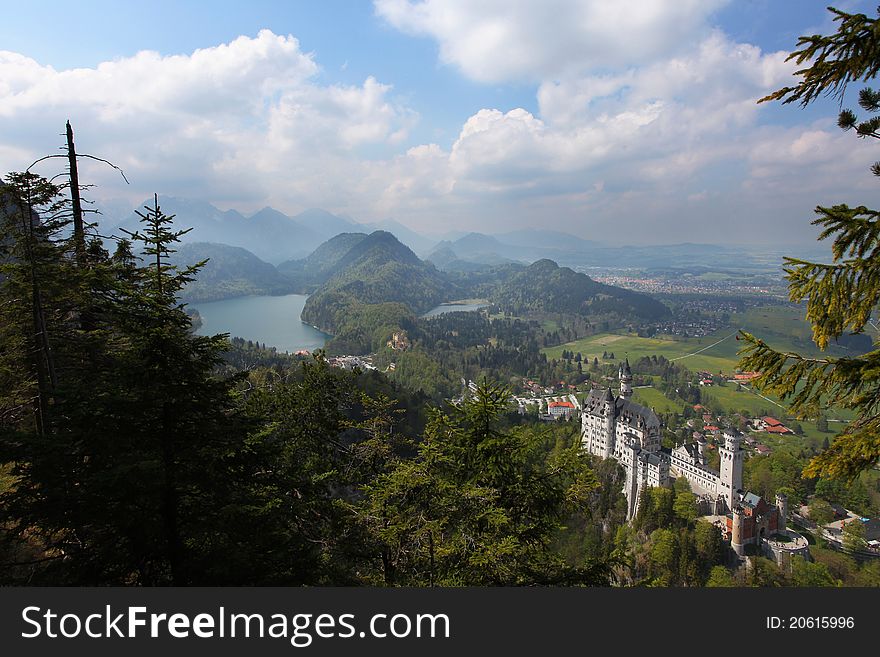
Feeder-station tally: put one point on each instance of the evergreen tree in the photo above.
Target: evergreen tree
(122, 479)
(480, 505)
(841, 295)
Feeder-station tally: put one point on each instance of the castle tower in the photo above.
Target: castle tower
(608, 412)
(782, 507)
(632, 486)
(701, 450)
(731, 467)
(736, 531)
(626, 378)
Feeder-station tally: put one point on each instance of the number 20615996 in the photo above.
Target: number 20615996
(810, 623)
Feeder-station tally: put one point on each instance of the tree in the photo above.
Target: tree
(854, 535)
(763, 572)
(479, 505)
(868, 574)
(820, 511)
(710, 546)
(808, 573)
(664, 556)
(127, 474)
(685, 506)
(720, 577)
(840, 295)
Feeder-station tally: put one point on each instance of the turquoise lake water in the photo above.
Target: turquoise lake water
(274, 321)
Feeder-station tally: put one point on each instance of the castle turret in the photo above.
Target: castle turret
(632, 487)
(782, 508)
(626, 378)
(701, 450)
(736, 531)
(731, 467)
(608, 412)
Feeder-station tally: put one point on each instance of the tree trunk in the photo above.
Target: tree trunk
(79, 235)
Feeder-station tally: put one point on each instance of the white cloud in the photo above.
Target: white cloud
(499, 40)
(673, 149)
(231, 122)
(646, 124)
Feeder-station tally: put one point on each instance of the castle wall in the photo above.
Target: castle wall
(702, 479)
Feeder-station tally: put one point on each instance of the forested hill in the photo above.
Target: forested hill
(544, 286)
(231, 271)
(323, 262)
(375, 287)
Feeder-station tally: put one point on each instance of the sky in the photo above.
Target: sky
(622, 122)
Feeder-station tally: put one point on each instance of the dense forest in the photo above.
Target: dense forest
(137, 453)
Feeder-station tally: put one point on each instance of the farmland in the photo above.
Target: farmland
(783, 327)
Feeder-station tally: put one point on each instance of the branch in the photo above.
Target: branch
(79, 155)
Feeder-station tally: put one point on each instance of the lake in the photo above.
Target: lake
(274, 321)
(454, 308)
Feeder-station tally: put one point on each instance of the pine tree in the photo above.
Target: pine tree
(841, 295)
(123, 474)
(479, 505)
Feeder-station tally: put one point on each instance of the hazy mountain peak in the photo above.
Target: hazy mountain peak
(269, 213)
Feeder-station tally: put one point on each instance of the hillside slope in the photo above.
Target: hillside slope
(310, 272)
(377, 286)
(544, 286)
(231, 271)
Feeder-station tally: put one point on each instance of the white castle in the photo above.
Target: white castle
(619, 428)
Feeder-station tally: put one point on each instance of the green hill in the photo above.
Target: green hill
(379, 285)
(314, 270)
(544, 286)
(231, 271)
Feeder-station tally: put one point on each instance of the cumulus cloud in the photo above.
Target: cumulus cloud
(668, 147)
(231, 122)
(498, 40)
(646, 123)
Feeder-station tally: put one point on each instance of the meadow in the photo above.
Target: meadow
(782, 327)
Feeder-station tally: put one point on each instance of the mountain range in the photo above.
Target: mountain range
(269, 234)
(364, 287)
(277, 238)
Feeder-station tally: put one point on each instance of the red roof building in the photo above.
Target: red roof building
(779, 428)
(561, 409)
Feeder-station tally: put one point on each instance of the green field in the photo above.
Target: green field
(782, 327)
(716, 359)
(653, 398)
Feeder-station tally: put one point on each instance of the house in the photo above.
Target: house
(763, 450)
(781, 430)
(561, 409)
(772, 425)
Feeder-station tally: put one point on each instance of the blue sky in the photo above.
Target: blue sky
(623, 122)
